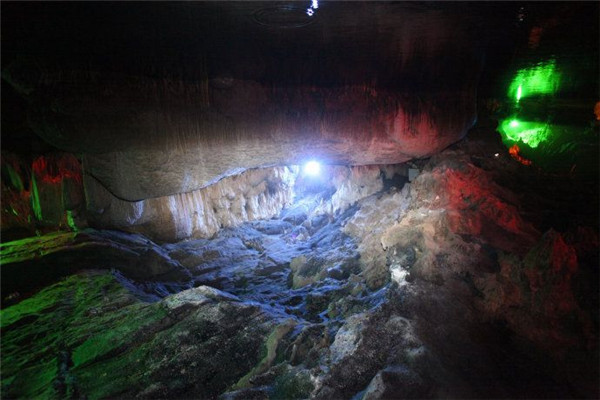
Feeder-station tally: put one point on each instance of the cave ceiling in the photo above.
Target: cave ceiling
(158, 98)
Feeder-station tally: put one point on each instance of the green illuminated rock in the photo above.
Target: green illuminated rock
(29, 264)
(541, 79)
(94, 339)
(530, 133)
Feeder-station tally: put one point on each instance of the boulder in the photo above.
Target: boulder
(396, 382)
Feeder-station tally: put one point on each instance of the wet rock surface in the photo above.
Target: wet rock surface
(435, 288)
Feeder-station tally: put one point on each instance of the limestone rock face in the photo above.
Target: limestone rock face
(384, 384)
(252, 195)
(255, 194)
(51, 193)
(148, 125)
(370, 223)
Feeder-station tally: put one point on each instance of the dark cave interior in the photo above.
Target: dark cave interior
(302, 199)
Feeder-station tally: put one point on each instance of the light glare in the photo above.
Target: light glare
(543, 78)
(312, 168)
(310, 11)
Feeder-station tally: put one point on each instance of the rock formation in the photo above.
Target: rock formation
(327, 300)
(146, 127)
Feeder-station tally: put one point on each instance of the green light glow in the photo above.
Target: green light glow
(19, 250)
(71, 221)
(15, 179)
(62, 317)
(541, 79)
(530, 133)
(35, 199)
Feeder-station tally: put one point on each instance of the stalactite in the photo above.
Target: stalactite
(255, 194)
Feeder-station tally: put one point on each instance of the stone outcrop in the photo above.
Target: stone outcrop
(42, 195)
(52, 194)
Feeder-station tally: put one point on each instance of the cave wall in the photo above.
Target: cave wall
(252, 195)
(41, 194)
(51, 193)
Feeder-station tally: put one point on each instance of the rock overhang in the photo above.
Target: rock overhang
(166, 99)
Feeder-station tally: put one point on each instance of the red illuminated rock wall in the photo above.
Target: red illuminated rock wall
(44, 194)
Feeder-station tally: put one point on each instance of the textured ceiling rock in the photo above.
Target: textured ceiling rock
(252, 195)
(167, 98)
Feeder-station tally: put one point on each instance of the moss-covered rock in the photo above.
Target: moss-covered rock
(88, 336)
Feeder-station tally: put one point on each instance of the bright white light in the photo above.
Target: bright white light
(310, 11)
(312, 168)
